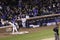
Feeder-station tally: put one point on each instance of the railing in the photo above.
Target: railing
(44, 16)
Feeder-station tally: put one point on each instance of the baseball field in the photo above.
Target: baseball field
(40, 33)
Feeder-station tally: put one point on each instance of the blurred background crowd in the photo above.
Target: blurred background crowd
(14, 9)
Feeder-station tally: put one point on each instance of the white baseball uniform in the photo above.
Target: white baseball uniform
(23, 22)
(14, 27)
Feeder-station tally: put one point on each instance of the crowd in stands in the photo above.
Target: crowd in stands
(14, 9)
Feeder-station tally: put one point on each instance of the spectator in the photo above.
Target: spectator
(35, 11)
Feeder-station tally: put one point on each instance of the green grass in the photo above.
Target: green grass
(31, 36)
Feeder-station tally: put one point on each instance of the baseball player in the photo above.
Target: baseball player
(23, 22)
(56, 31)
(14, 26)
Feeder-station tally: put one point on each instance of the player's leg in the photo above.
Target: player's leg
(23, 24)
(55, 36)
(15, 29)
(58, 37)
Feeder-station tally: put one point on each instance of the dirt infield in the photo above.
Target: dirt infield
(3, 33)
